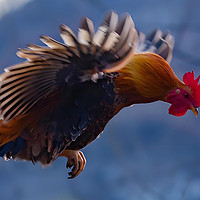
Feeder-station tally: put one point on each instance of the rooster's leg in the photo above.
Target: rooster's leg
(76, 159)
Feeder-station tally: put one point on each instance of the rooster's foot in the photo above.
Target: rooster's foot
(76, 159)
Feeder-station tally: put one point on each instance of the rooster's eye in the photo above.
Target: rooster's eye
(186, 95)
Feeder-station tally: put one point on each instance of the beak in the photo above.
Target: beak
(194, 110)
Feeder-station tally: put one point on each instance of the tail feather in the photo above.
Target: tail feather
(158, 42)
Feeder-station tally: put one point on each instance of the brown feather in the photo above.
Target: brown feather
(148, 76)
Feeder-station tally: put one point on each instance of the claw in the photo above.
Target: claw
(70, 163)
(76, 159)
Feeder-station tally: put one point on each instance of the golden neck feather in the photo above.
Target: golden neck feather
(147, 78)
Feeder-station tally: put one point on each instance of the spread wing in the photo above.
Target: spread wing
(158, 42)
(79, 59)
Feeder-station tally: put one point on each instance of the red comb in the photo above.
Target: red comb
(193, 83)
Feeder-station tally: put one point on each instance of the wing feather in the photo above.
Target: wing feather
(157, 42)
(86, 31)
(48, 68)
(20, 82)
(51, 43)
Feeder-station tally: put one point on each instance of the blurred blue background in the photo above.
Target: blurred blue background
(144, 153)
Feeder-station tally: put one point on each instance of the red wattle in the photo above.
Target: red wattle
(178, 110)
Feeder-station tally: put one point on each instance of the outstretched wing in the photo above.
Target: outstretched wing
(158, 42)
(79, 59)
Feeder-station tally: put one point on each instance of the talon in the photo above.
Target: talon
(76, 159)
(70, 163)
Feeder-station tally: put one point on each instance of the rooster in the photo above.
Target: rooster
(61, 98)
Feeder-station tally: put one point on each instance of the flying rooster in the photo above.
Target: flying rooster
(61, 98)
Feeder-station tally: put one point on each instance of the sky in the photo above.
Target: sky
(144, 153)
(7, 6)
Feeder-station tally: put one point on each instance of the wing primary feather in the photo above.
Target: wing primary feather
(37, 55)
(67, 33)
(42, 94)
(100, 36)
(33, 70)
(13, 110)
(154, 36)
(123, 30)
(13, 78)
(86, 31)
(85, 34)
(169, 38)
(111, 20)
(128, 44)
(109, 25)
(108, 50)
(157, 42)
(112, 39)
(26, 65)
(50, 42)
(4, 99)
(46, 51)
(122, 50)
(21, 86)
(12, 87)
(19, 66)
(29, 94)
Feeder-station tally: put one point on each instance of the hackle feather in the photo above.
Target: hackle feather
(147, 75)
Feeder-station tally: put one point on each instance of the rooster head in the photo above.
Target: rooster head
(185, 97)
